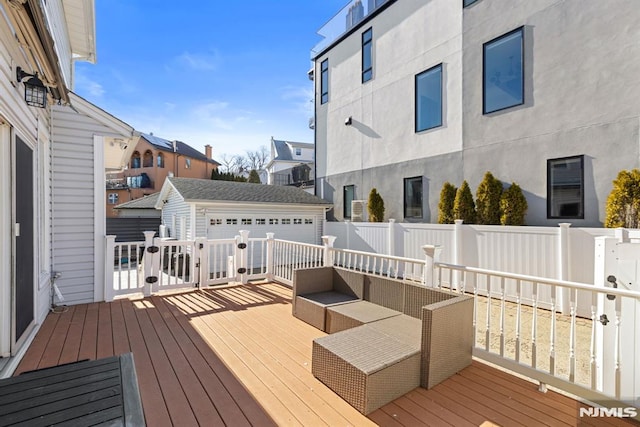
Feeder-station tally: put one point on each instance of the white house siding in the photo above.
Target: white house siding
(73, 210)
(31, 125)
(172, 212)
(581, 90)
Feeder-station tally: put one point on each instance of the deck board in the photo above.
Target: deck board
(236, 356)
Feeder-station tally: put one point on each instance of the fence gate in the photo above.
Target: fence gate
(174, 264)
(619, 320)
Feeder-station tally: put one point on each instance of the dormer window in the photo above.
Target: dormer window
(298, 151)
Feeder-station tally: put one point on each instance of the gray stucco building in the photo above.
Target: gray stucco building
(410, 94)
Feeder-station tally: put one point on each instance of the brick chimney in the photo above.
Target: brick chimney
(207, 151)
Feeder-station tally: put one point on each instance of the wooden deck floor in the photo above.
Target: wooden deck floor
(235, 356)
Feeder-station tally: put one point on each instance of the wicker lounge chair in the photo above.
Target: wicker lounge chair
(315, 289)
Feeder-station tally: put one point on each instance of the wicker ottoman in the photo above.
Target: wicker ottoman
(367, 367)
(312, 308)
(347, 316)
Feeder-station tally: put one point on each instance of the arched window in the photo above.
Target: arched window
(148, 159)
(160, 160)
(135, 160)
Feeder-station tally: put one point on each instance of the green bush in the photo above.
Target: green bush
(488, 200)
(463, 206)
(513, 206)
(226, 176)
(445, 206)
(375, 206)
(254, 177)
(623, 203)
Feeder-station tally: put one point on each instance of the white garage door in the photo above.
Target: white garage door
(299, 228)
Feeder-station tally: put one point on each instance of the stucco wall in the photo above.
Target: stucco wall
(581, 90)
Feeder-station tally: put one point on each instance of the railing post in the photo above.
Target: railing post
(202, 261)
(243, 269)
(151, 262)
(327, 242)
(108, 267)
(562, 293)
(270, 253)
(622, 235)
(432, 254)
(392, 237)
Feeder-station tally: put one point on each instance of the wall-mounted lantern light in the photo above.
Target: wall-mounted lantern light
(35, 92)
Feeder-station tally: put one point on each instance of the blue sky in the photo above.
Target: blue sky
(226, 73)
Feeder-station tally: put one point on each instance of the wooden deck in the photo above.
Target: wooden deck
(236, 356)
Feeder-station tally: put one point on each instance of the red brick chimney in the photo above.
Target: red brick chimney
(207, 151)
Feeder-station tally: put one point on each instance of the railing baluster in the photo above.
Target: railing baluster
(594, 304)
(488, 331)
(502, 314)
(475, 305)
(518, 317)
(573, 298)
(618, 321)
(534, 324)
(552, 338)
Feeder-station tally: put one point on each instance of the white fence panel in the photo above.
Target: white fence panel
(412, 237)
(220, 265)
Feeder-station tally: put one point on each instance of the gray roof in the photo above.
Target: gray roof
(181, 147)
(229, 191)
(146, 202)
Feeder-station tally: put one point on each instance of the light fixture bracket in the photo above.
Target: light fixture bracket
(35, 92)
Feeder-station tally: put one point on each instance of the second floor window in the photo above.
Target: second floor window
(503, 72)
(324, 81)
(160, 160)
(148, 159)
(187, 163)
(113, 198)
(367, 55)
(429, 99)
(135, 161)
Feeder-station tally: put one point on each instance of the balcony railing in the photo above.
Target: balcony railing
(347, 18)
(519, 323)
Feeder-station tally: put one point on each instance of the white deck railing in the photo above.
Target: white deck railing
(530, 325)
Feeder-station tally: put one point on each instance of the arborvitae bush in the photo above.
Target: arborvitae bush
(623, 203)
(463, 207)
(445, 206)
(375, 206)
(513, 206)
(254, 177)
(226, 176)
(488, 200)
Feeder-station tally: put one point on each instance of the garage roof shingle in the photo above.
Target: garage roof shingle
(229, 191)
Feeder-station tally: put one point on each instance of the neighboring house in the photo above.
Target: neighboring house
(54, 147)
(291, 164)
(219, 209)
(152, 160)
(134, 218)
(417, 93)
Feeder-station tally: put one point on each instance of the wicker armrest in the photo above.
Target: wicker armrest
(447, 339)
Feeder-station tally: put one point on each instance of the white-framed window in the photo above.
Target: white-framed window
(286, 221)
(297, 221)
(232, 221)
(308, 221)
(246, 221)
(261, 221)
(112, 198)
(273, 221)
(298, 151)
(215, 221)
